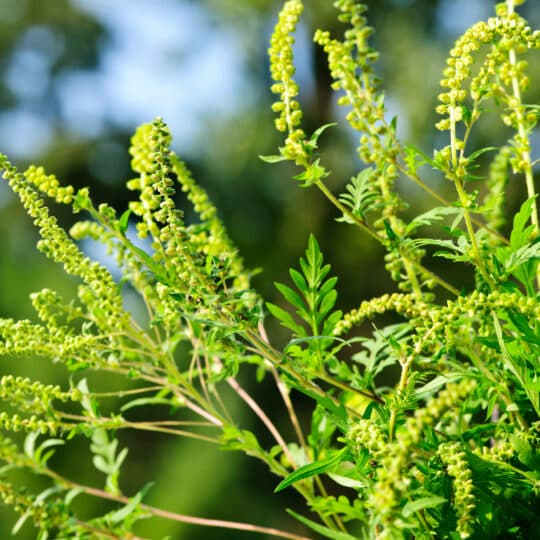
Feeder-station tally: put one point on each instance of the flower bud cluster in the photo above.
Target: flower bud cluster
(23, 337)
(351, 66)
(28, 395)
(394, 472)
(49, 185)
(448, 399)
(106, 235)
(56, 244)
(26, 338)
(458, 70)
(476, 306)
(388, 465)
(282, 71)
(201, 257)
(403, 304)
(47, 514)
(86, 229)
(500, 75)
(52, 311)
(392, 481)
(454, 458)
(151, 158)
(501, 451)
(496, 184)
(368, 435)
(15, 423)
(213, 238)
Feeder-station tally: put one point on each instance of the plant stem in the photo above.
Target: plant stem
(360, 222)
(254, 406)
(365, 226)
(284, 391)
(233, 525)
(525, 153)
(457, 177)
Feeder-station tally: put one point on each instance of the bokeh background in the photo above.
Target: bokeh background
(78, 76)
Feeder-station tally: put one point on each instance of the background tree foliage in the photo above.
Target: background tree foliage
(268, 217)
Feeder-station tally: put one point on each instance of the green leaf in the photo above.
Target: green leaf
(419, 504)
(312, 469)
(321, 529)
(427, 218)
(316, 297)
(101, 464)
(45, 494)
(313, 173)
(273, 159)
(29, 443)
(299, 280)
(361, 195)
(145, 401)
(286, 319)
(472, 157)
(293, 298)
(71, 494)
(336, 411)
(346, 481)
(330, 323)
(123, 222)
(307, 339)
(328, 285)
(522, 324)
(521, 232)
(522, 255)
(414, 153)
(518, 368)
(123, 513)
(432, 386)
(157, 269)
(20, 522)
(319, 131)
(328, 301)
(392, 236)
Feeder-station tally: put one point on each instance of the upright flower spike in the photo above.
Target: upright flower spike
(351, 61)
(282, 71)
(458, 70)
(56, 245)
(212, 235)
(502, 77)
(151, 159)
(454, 458)
(495, 197)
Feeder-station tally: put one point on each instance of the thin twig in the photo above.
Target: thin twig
(254, 406)
(283, 391)
(223, 524)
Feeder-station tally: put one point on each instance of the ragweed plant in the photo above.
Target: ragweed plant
(449, 448)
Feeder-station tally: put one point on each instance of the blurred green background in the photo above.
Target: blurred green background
(77, 77)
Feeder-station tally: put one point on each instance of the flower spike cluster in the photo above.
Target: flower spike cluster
(411, 418)
(282, 70)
